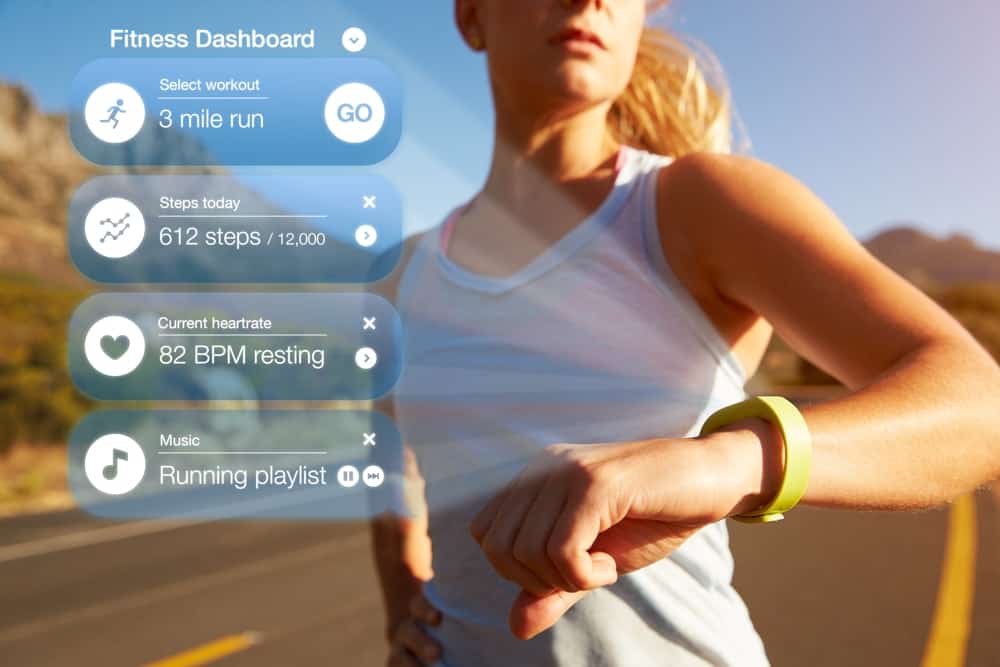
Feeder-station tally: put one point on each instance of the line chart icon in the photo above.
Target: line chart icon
(114, 228)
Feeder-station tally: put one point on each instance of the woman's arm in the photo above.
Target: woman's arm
(401, 545)
(921, 424)
(402, 549)
(402, 552)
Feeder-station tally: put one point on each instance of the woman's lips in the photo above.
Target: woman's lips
(577, 37)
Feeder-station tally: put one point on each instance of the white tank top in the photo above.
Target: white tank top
(594, 341)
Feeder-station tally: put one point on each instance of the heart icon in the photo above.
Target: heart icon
(115, 346)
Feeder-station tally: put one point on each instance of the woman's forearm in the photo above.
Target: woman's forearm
(402, 553)
(924, 432)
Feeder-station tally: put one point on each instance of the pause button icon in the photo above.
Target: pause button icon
(348, 476)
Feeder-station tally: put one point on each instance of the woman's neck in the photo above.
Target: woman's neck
(545, 178)
(542, 155)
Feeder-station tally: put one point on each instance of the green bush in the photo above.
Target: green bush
(38, 402)
(977, 307)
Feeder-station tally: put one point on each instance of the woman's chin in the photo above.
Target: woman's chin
(581, 85)
(578, 74)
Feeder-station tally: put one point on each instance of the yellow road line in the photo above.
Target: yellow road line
(210, 652)
(952, 621)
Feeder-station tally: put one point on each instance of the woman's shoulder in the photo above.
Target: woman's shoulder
(726, 184)
(735, 214)
(723, 201)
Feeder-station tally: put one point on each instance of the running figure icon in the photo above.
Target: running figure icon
(113, 112)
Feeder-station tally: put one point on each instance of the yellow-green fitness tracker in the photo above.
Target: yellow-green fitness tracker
(798, 450)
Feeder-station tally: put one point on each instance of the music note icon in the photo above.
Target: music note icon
(111, 470)
(114, 464)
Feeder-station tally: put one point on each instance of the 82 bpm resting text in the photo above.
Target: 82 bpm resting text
(242, 355)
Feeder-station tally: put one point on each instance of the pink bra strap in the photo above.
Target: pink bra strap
(620, 162)
(448, 226)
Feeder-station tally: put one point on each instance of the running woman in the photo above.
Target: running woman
(569, 330)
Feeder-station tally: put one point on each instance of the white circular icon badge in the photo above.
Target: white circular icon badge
(114, 346)
(114, 228)
(365, 358)
(114, 464)
(348, 476)
(354, 39)
(114, 113)
(373, 476)
(365, 236)
(354, 113)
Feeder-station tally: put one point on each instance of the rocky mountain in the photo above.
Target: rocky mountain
(924, 258)
(39, 170)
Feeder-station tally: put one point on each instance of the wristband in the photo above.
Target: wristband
(797, 444)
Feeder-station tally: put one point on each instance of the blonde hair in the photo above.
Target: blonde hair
(677, 101)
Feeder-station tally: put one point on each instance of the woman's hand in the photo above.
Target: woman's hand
(581, 515)
(410, 646)
(403, 556)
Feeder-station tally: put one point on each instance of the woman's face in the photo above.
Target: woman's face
(545, 54)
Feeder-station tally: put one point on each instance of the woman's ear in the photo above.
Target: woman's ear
(467, 17)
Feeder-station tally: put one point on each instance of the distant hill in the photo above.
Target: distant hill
(39, 169)
(926, 259)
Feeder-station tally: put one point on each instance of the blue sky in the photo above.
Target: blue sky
(885, 109)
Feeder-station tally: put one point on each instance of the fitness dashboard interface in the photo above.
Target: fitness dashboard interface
(245, 200)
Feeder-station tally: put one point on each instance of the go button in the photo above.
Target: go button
(354, 113)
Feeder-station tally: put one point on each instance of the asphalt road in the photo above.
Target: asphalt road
(825, 588)
(307, 590)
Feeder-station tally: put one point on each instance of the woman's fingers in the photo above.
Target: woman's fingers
(538, 533)
(531, 615)
(484, 519)
(498, 541)
(422, 610)
(531, 544)
(569, 545)
(413, 640)
(400, 657)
